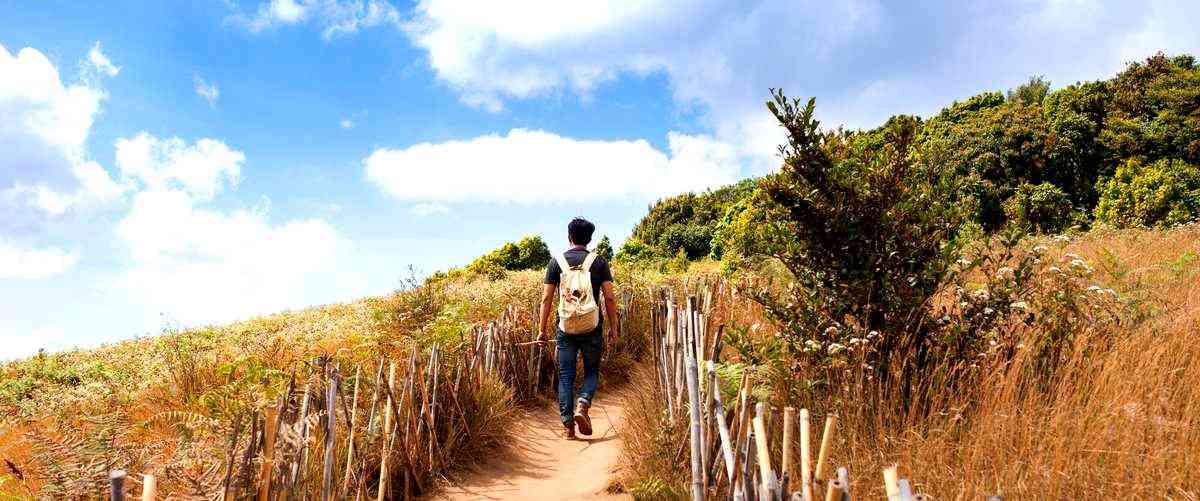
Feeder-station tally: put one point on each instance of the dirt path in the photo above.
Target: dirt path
(540, 464)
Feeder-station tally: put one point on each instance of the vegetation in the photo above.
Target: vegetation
(1035, 159)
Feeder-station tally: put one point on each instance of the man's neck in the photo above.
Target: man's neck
(578, 247)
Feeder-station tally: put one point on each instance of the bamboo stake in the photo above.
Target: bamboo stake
(722, 427)
(303, 436)
(805, 456)
(116, 483)
(789, 417)
(769, 484)
(353, 425)
(237, 429)
(906, 493)
(149, 487)
(891, 483)
(742, 421)
(270, 422)
(436, 363)
(330, 434)
(826, 444)
(387, 427)
(694, 412)
(835, 491)
(843, 477)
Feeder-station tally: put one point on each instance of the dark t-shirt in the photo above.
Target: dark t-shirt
(600, 272)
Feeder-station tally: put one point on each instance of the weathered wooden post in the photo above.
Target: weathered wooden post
(722, 426)
(762, 442)
(806, 456)
(386, 433)
(891, 483)
(694, 412)
(116, 484)
(149, 487)
(331, 387)
(270, 426)
(789, 417)
(826, 444)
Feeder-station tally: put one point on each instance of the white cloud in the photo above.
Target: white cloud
(864, 60)
(429, 209)
(208, 91)
(199, 170)
(335, 17)
(28, 263)
(98, 61)
(44, 133)
(347, 123)
(533, 166)
(202, 265)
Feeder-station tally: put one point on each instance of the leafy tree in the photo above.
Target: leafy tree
(1041, 208)
(1031, 92)
(865, 224)
(527, 254)
(1162, 194)
(604, 249)
(686, 221)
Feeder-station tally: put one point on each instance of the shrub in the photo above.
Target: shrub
(1042, 208)
(1163, 194)
(604, 249)
(688, 221)
(867, 225)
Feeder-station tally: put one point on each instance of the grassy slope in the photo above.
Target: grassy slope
(1119, 417)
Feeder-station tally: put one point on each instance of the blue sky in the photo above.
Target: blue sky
(185, 163)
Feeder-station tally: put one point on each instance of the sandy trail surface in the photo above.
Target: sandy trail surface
(539, 464)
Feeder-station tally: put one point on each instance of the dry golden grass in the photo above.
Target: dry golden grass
(1118, 417)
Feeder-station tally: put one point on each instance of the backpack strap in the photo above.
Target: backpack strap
(587, 261)
(562, 263)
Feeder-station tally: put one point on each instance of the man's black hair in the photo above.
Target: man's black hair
(580, 231)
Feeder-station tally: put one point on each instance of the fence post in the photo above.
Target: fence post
(149, 487)
(116, 482)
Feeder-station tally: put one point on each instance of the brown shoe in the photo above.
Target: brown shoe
(582, 419)
(569, 434)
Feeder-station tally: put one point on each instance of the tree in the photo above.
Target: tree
(604, 249)
(1031, 92)
(1041, 208)
(865, 223)
(1162, 194)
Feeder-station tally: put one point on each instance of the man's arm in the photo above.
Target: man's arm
(547, 303)
(610, 308)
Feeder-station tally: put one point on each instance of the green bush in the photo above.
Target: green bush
(865, 224)
(604, 249)
(1162, 194)
(1042, 208)
(686, 222)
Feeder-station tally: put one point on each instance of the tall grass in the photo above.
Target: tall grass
(1107, 407)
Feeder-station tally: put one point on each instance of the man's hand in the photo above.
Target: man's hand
(614, 333)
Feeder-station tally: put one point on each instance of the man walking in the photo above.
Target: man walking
(579, 277)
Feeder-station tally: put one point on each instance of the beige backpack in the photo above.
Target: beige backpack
(577, 309)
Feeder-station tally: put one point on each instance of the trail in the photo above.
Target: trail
(538, 463)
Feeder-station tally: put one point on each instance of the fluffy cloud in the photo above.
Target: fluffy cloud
(98, 61)
(208, 91)
(44, 134)
(864, 59)
(335, 17)
(199, 170)
(429, 209)
(27, 263)
(533, 166)
(198, 264)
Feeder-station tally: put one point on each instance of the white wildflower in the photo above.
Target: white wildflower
(1004, 272)
(831, 331)
(1094, 288)
(1062, 238)
(1039, 249)
(872, 334)
(835, 348)
(1019, 305)
(981, 294)
(1054, 269)
(988, 311)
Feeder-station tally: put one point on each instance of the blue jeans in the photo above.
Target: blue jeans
(591, 346)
